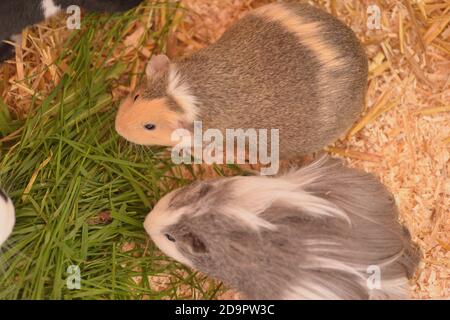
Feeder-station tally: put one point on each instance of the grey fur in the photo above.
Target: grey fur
(264, 263)
(259, 76)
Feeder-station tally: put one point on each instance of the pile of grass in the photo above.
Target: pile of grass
(81, 193)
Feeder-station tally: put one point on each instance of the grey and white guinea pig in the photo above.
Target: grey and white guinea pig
(7, 217)
(15, 15)
(319, 232)
(290, 67)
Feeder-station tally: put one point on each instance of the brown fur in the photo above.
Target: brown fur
(166, 120)
(305, 75)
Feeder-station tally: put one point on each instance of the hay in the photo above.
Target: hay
(403, 137)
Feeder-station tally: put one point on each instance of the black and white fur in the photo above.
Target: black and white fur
(7, 217)
(314, 233)
(15, 15)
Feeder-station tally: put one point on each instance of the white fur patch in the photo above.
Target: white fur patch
(306, 289)
(392, 289)
(155, 223)
(17, 38)
(334, 264)
(309, 34)
(256, 194)
(7, 219)
(249, 218)
(181, 93)
(49, 8)
(310, 173)
(309, 290)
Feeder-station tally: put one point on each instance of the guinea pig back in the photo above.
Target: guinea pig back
(322, 232)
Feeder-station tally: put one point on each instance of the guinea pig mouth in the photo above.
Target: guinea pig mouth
(123, 131)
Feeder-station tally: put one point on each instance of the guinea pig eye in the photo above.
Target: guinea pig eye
(136, 97)
(150, 126)
(170, 238)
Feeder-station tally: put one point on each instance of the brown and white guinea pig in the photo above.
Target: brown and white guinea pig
(290, 67)
(323, 232)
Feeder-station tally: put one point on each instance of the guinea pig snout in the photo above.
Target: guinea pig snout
(153, 225)
(148, 224)
(119, 126)
(122, 121)
(160, 217)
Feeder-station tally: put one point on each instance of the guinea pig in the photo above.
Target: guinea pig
(7, 217)
(19, 14)
(290, 67)
(324, 231)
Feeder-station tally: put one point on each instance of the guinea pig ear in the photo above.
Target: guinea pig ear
(183, 124)
(194, 243)
(157, 65)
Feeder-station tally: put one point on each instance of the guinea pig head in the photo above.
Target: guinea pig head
(203, 226)
(170, 227)
(152, 114)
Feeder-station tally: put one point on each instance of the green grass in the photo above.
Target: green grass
(67, 166)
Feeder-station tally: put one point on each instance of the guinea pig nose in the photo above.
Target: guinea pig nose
(150, 126)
